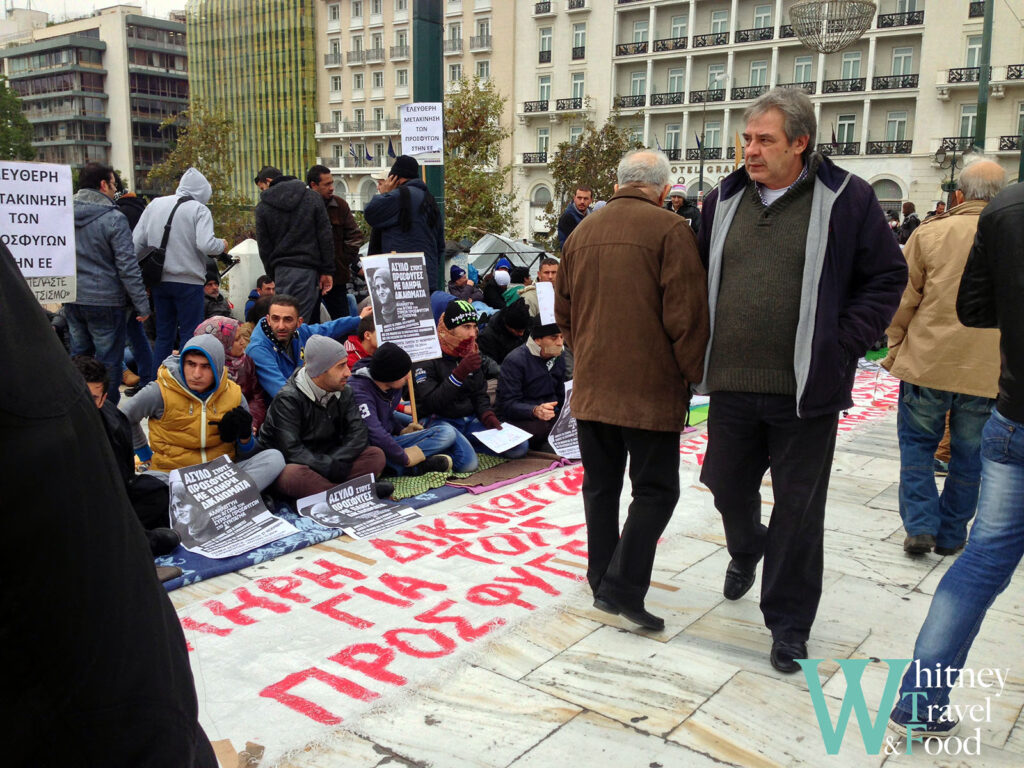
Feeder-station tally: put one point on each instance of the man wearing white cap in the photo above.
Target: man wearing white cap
(677, 203)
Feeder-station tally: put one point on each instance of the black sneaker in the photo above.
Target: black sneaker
(384, 489)
(939, 729)
(437, 463)
(162, 541)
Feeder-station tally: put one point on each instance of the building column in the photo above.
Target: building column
(821, 73)
(869, 77)
(864, 130)
(732, 21)
(686, 112)
(648, 91)
(773, 72)
(729, 79)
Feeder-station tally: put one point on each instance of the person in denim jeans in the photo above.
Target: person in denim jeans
(107, 272)
(944, 367)
(989, 296)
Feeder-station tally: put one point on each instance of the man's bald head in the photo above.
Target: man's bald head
(982, 180)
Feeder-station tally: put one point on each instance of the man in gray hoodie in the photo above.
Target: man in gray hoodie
(107, 271)
(178, 299)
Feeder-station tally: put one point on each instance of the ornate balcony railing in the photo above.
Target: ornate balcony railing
(965, 74)
(786, 30)
(670, 44)
(351, 126)
(374, 54)
(576, 5)
(751, 35)
(356, 57)
(453, 46)
(1015, 72)
(332, 59)
(399, 51)
(748, 92)
(334, 127)
(715, 38)
(540, 8)
(535, 157)
(630, 49)
(710, 153)
(579, 52)
(840, 148)
(889, 82)
(562, 104)
(673, 154)
(1009, 143)
(899, 147)
(479, 42)
(630, 102)
(976, 9)
(890, 20)
(808, 86)
(959, 143)
(540, 105)
(665, 99)
(703, 97)
(544, 57)
(848, 85)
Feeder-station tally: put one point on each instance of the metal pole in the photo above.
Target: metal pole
(983, 78)
(700, 150)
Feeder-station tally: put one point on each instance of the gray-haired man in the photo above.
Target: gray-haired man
(803, 276)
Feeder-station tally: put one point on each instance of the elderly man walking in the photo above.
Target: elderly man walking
(803, 276)
(943, 367)
(631, 253)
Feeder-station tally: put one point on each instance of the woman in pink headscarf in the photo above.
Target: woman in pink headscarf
(239, 366)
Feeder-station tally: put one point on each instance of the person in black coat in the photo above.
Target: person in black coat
(314, 421)
(505, 331)
(680, 204)
(531, 387)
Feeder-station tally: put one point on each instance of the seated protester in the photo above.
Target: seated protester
(315, 423)
(494, 287)
(197, 414)
(277, 342)
(519, 281)
(148, 496)
(460, 287)
(505, 331)
(452, 389)
(259, 309)
(531, 387)
(239, 366)
(264, 287)
(363, 343)
(214, 302)
(377, 383)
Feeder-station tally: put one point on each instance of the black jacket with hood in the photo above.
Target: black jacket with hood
(293, 229)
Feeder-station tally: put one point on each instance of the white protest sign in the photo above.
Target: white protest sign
(401, 303)
(546, 302)
(37, 224)
(423, 131)
(500, 440)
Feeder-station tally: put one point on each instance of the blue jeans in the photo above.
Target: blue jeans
(99, 332)
(141, 351)
(981, 572)
(920, 424)
(432, 441)
(464, 452)
(179, 309)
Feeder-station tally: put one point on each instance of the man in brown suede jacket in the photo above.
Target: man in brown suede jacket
(631, 253)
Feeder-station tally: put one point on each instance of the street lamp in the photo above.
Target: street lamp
(951, 162)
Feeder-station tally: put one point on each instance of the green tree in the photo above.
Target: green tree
(15, 130)
(477, 194)
(203, 141)
(590, 160)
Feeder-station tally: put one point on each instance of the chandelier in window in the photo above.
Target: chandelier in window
(827, 26)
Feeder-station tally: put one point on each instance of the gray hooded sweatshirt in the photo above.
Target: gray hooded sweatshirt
(191, 238)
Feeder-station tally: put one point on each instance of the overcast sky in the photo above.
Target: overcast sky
(61, 9)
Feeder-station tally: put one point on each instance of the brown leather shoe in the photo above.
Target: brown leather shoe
(919, 544)
(167, 572)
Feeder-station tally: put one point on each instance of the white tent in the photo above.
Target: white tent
(489, 248)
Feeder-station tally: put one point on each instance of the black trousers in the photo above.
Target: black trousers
(748, 434)
(620, 565)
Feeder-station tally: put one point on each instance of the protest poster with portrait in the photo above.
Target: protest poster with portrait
(400, 297)
(217, 510)
(563, 437)
(354, 508)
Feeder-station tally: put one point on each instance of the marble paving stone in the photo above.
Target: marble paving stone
(709, 573)
(340, 749)
(885, 469)
(882, 561)
(677, 553)
(1015, 743)
(472, 719)
(877, 524)
(755, 720)
(887, 498)
(592, 740)
(734, 632)
(637, 681)
(854, 490)
(846, 463)
(990, 757)
(532, 643)
(679, 606)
